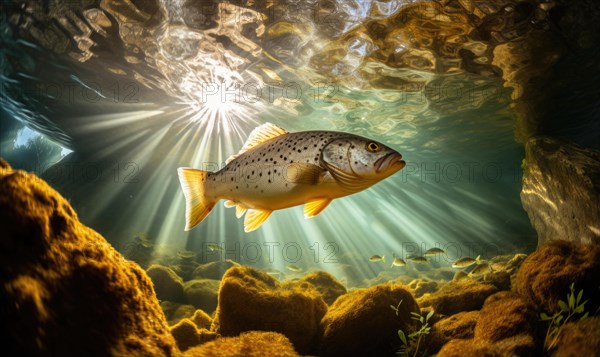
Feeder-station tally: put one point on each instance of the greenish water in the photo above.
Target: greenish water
(173, 96)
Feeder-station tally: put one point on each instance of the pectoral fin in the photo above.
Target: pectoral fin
(313, 208)
(255, 218)
(229, 203)
(304, 173)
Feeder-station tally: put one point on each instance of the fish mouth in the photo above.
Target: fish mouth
(390, 161)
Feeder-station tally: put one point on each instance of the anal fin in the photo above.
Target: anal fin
(255, 218)
(313, 208)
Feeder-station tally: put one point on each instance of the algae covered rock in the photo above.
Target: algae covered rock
(457, 326)
(202, 293)
(361, 321)
(507, 321)
(247, 344)
(167, 284)
(420, 287)
(545, 276)
(64, 290)
(457, 296)
(201, 319)
(250, 299)
(187, 334)
(579, 338)
(212, 270)
(326, 285)
(469, 347)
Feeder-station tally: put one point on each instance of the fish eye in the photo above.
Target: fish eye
(373, 146)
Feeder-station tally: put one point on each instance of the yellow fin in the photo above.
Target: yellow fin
(313, 208)
(197, 207)
(304, 173)
(259, 135)
(240, 210)
(255, 218)
(229, 203)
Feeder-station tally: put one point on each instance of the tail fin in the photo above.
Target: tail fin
(197, 207)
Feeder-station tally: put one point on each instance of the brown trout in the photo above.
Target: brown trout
(276, 169)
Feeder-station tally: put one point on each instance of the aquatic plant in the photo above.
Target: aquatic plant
(414, 338)
(568, 310)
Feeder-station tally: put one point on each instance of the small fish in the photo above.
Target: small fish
(276, 169)
(377, 258)
(398, 262)
(434, 251)
(460, 276)
(417, 259)
(481, 269)
(214, 247)
(466, 262)
(186, 254)
(293, 267)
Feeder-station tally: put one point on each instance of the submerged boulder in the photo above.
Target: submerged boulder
(64, 290)
(250, 299)
(579, 338)
(545, 276)
(361, 322)
(469, 347)
(247, 344)
(457, 296)
(202, 293)
(187, 334)
(421, 287)
(329, 288)
(457, 326)
(167, 284)
(561, 190)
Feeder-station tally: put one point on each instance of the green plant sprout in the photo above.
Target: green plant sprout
(416, 336)
(568, 309)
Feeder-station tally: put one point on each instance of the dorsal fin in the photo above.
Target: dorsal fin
(259, 135)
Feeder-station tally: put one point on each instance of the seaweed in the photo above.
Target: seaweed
(414, 338)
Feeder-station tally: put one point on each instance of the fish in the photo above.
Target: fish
(398, 262)
(186, 254)
(214, 247)
(466, 262)
(417, 259)
(377, 258)
(460, 276)
(293, 267)
(481, 269)
(434, 251)
(276, 169)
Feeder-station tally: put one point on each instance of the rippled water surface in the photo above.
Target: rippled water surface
(137, 89)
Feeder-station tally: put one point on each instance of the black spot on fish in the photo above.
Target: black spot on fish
(340, 157)
(269, 180)
(232, 179)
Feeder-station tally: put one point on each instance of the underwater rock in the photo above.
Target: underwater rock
(469, 347)
(561, 190)
(247, 344)
(361, 322)
(457, 326)
(187, 334)
(329, 288)
(201, 319)
(182, 312)
(546, 274)
(579, 338)
(212, 270)
(457, 296)
(420, 287)
(202, 293)
(507, 321)
(250, 299)
(167, 284)
(64, 290)
(500, 279)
